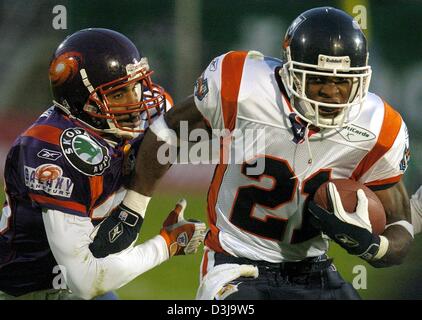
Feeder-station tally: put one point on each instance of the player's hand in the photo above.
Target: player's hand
(182, 236)
(116, 232)
(352, 231)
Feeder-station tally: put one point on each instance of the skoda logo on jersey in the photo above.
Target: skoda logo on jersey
(83, 152)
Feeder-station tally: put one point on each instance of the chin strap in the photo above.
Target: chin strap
(301, 134)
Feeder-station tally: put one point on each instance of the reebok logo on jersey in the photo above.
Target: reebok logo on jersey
(49, 154)
(213, 65)
(48, 178)
(354, 133)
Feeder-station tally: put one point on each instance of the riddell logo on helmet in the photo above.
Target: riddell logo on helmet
(334, 60)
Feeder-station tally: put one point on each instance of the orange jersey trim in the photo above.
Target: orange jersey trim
(231, 76)
(384, 181)
(96, 186)
(44, 133)
(211, 241)
(65, 204)
(169, 98)
(205, 263)
(389, 130)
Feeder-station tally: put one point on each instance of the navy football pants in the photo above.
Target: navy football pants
(274, 284)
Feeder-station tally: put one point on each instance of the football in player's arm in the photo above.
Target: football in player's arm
(67, 174)
(320, 122)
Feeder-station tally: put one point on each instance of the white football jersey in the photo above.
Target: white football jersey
(259, 214)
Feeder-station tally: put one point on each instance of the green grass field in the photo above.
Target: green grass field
(178, 278)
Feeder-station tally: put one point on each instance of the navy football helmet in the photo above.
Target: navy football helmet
(91, 64)
(325, 42)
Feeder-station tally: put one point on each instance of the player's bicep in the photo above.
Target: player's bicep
(396, 203)
(185, 113)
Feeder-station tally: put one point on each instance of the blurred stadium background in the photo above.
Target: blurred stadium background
(179, 38)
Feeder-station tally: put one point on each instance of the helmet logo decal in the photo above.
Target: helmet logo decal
(332, 62)
(83, 152)
(64, 67)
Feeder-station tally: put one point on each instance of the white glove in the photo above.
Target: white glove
(360, 217)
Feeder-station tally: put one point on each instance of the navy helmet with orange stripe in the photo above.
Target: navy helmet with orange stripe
(90, 66)
(325, 43)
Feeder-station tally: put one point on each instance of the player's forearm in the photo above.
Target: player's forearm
(399, 243)
(87, 276)
(94, 277)
(149, 170)
(399, 230)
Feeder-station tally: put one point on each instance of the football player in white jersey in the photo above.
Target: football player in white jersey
(315, 120)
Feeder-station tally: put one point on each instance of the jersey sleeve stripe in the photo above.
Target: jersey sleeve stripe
(231, 76)
(44, 133)
(389, 130)
(74, 206)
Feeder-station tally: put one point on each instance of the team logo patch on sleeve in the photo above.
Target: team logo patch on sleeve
(405, 160)
(83, 152)
(48, 178)
(201, 87)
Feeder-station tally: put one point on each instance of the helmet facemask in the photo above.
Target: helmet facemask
(126, 120)
(296, 76)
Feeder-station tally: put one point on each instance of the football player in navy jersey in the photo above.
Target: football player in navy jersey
(66, 175)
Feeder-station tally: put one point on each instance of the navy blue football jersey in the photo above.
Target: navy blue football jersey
(58, 164)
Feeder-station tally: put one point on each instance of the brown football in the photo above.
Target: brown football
(347, 189)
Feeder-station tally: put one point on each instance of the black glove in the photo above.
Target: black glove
(356, 240)
(116, 232)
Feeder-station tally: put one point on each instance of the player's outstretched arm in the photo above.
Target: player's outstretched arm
(69, 238)
(164, 130)
(121, 228)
